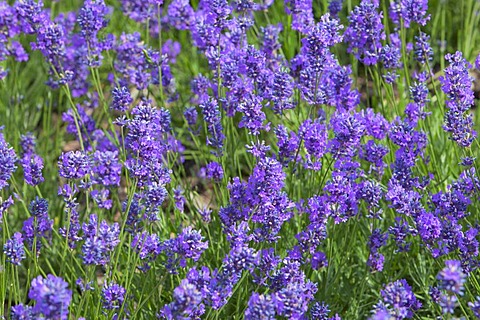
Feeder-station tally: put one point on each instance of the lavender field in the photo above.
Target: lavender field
(239, 159)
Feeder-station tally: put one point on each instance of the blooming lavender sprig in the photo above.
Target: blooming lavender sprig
(260, 307)
(74, 165)
(457, 86)
(14, 249)
(72, 228)
(10, 23)
(28, 143)
(51, 43)
(100, 240)
(188, 245)
(4, 205)
(211, 115)
(148, 246)
(376, 241)
(398, 300)
(106, 168)
(140, 11)
(8, 158)
(450, 285)
(38, 225)
(21, 312)
(32, 169)
(409, 11)
(52, 297)
(213, 170)
(239, 259)
(315, 136)
(423, 50)
(335, 6)
(180, 14)
(302, 14)
(365, 32)
(121, 99)
(92, 18)
(186, 302)
(113, 296)
(475, 306)
(451, 278)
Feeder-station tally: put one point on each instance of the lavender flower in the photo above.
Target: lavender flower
(319, 311)
(375, 242)
(334, 7)
(31, 12)
(348, 129)
(422, 48)
(7, 161)
(211, 115)
(319, 260)
(282, 92)
(52, 297)
(100, 240)
(32, 169)
(51, 43)
(188, 245)
(374, 154)
(240, 258)
(457, 86)
(452, 278)
(302, 14)
(91, 19)
(375, 124)
(253, 117)
(21, 312)
(447, 302)
(121, 99)
(428, 226)
(315, 136)
(73, 165)
(148, 247)
(213, 170)
(28, 142)
(191, 116)
(390, 57)
(106, 168)
(260, 307)
(287, 144)
(292, 300)
(365, 32)
(180, 14)
(14, 249)
(4, 205)
(186, 302)
(113, 296)
(399, 300)
(475, 306)
(269, 39)
(39, 224)
(410, 11)
(179, 198)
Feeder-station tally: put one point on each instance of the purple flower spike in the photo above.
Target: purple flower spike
(52, 297)
(14, 249)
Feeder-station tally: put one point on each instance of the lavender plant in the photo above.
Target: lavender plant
(239, 159)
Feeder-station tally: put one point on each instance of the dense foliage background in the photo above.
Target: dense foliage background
(239, 159)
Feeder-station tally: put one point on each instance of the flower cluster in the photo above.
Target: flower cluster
(256, 159)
